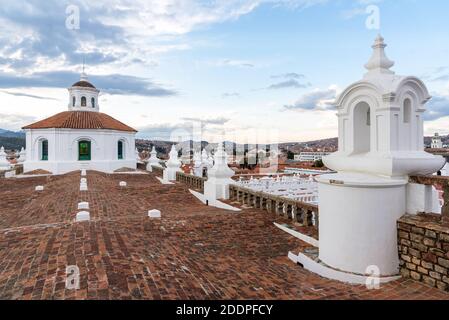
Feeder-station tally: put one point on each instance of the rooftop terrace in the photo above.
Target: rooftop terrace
(193, 252)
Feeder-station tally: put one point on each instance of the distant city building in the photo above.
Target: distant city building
(436, 142)
(310, 156)
(304, 171)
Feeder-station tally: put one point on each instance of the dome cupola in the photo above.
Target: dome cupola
(83, 96)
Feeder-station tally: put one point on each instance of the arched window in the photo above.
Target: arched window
(83, 101)
(44, 150)
(84, 150)
(92, 102)
(120, 150)
(73, 101)
(407, 110)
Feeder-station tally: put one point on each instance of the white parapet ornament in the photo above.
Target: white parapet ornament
(83, 206)
(173, 165)
(197, 164)
(138, 158)
(219, 177)
(4, 163)
(380, 125)
(154, 214)
(22, 156)
(82, 216)
(39, 188)
(153, 160)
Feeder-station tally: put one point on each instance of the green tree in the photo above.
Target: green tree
(318, 164)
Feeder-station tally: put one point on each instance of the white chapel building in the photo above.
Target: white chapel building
(80, 138)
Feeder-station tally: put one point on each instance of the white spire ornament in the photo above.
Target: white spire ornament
(22, 156)
(153, 161)
(173, 165)
(197, 167)
(138, 158)
(4, 163)
(219, 177)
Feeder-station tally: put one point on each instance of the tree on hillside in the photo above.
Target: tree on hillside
(318, 164)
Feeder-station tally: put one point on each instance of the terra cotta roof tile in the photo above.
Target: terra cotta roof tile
(80, 120)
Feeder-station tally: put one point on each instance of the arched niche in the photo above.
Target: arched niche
(407, 110)
(362, 128)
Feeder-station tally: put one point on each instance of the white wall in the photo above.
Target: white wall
(357, 230)
(63, 150)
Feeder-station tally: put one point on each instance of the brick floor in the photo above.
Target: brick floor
(193, 252)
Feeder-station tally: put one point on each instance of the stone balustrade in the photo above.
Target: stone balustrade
(159, 171)
(191, 181)
(438, 181)
(301, 212)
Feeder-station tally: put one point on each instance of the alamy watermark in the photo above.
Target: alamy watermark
(72, 281)
(72, 22)
(372, 22)
(373, 280)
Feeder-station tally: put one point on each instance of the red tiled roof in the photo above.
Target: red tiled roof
(81, 120)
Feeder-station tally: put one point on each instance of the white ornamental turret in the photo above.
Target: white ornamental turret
(138, 158)
(4, 163)
(380, 125)
(22, 156)
(219, 177)
(210, 161)
(204, 157)
(197, 167)
(173, 165)
(153, 161)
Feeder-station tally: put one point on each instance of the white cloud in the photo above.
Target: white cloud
(318, 99)
(12, 121)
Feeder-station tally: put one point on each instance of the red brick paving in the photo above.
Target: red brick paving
(193, 252)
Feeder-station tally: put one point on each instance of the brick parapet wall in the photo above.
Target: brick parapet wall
(423, 243)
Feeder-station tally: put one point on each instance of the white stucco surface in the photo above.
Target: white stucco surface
(63, 150)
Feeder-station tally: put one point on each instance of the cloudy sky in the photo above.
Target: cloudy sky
(234, 69)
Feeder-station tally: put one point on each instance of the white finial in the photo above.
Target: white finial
(379, 63)
(4, 163)
(83, 76)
